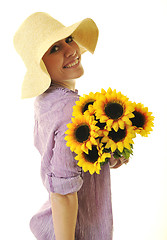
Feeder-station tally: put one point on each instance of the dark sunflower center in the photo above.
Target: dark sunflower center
(99, 124)
(117, 136)
(82, 133)
(92, 156)
(86, 106)
(114, 110)
(138, 120)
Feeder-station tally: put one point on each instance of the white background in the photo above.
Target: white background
(131, 56)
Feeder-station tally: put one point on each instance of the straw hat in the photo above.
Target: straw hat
(34, 37)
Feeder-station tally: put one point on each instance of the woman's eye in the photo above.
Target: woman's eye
(69, 39)
(54, 49)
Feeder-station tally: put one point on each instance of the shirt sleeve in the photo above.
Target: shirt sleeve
(60, 173)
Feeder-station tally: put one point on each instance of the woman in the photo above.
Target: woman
(79, 205)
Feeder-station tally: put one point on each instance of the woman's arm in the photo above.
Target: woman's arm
(64, 213)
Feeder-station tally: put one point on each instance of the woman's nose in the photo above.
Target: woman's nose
(70, 51)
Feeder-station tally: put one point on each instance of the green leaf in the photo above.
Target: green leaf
(117, 154)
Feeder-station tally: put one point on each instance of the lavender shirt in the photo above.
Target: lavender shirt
(61, 174)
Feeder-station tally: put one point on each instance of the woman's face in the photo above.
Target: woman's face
(63, 60)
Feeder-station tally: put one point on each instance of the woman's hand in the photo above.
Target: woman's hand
(115, 163)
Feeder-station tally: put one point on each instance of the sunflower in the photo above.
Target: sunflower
(81, 134)
(82, 105)
(120, 139)
(92, 160)
(114, 109)
(143, 120)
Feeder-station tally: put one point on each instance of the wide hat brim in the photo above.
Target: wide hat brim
(37, 79)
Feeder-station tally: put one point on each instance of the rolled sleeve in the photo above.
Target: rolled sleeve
(63, 186)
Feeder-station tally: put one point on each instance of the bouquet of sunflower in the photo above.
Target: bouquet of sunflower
(105, 123)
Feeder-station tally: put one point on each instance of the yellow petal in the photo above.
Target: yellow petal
(102, 98)
(125, 118)
(84, 148)
(109, 90)
(106, 155)
(115, 126)
(108, 145)
(66, 138)
(104, 139)
(103, 91)
(126, 144)
(68, 131)
(93, 141)
(70, 125)
(113, 147)
(131, 115)
(109, 123)
(78, 149)
(72, 148)
(105, 133)
(103, 119)
(121, 124)
(89, 145)
(120, 146)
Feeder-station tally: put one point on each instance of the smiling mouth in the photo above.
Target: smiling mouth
(72, 64)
